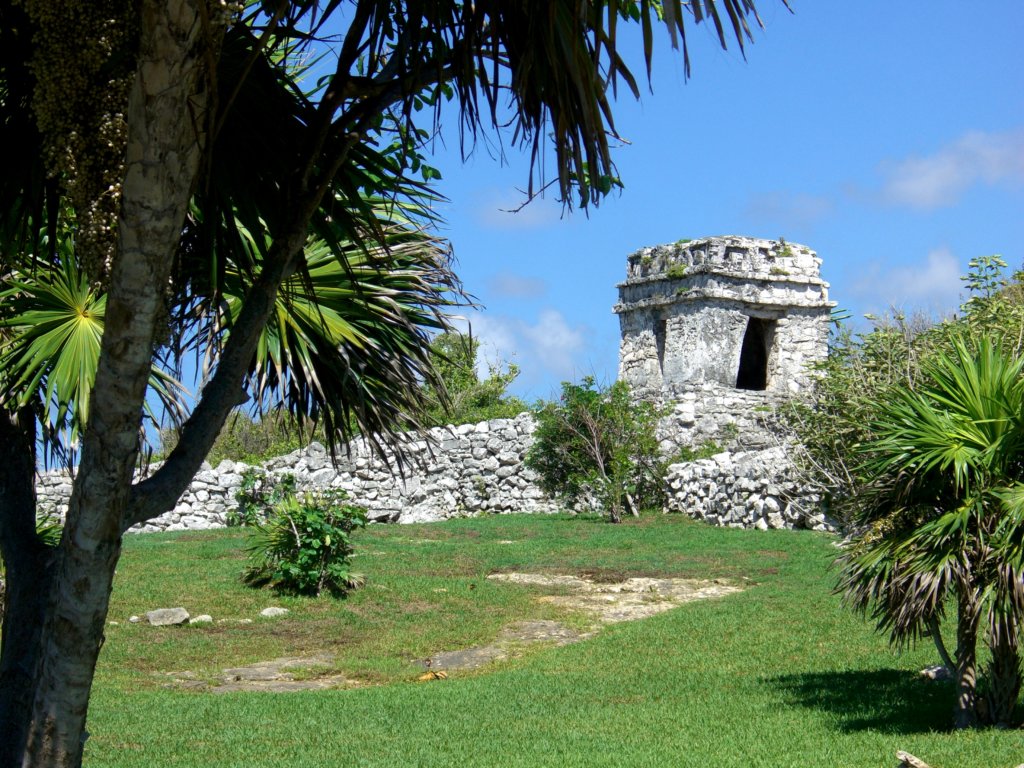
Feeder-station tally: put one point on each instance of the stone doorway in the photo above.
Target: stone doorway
(754, 354)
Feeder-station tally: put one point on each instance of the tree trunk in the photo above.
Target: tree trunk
(1003, 674)
(965, 713)
(940, 646)
(28, 567)
(161, 167)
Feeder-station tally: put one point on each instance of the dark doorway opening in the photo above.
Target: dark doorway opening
(753, 371)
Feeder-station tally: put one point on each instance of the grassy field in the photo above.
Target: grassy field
(778, 675)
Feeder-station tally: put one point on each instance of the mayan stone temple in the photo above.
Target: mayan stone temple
(722, 313)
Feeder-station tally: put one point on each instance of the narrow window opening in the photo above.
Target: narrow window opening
(753, 370)
(659, 340)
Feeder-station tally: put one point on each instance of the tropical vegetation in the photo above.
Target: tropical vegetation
(174, 144)
(596, 447)
(302, 543)
(923, 456)
(466, 398)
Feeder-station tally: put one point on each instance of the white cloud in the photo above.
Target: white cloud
(933, 286)
(940, 179)
(554, 342)
(788, 210)
(549, 348)
(509, 285)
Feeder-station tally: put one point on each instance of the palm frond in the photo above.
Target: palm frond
(51, 325)
(348, 341)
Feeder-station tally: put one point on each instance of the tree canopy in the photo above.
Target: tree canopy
(172, 141)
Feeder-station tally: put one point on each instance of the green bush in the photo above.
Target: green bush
(258, 495)
(598, 444)
(467, 399)
(863, 369)
(303, 544)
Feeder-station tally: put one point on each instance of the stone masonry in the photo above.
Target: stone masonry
(719, 331)
(734, 312)
(462, 470)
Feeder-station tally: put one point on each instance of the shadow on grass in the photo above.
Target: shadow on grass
(886, 700)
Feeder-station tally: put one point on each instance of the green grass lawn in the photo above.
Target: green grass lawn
(778, 675)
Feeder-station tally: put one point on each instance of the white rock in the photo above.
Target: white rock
(936, 672)
(273, 611)
(165, 617)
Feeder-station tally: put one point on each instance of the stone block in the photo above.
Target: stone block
(164, 617)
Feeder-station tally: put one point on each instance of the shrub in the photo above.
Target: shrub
(597, 444)
(467, 399)
(301, 544)
(863, 369)
(258, 495)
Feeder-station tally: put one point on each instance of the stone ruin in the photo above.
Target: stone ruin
(720, 330)
(731, 312)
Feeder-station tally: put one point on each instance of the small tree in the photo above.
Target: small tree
(466, 399)
(595, 444)
(916, 435)
(944, 517)
(863, 368)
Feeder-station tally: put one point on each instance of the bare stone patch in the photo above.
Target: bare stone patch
(274, 676)
(508, 640)
(628, 600)
(608, 603)
(605, 602)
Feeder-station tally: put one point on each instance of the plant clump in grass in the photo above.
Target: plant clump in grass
(300, 544)
(258, 495)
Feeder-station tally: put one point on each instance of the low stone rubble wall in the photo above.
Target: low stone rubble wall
(478, 468)
(756, 489)
(463, 470)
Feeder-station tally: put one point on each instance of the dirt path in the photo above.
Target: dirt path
(628, 600)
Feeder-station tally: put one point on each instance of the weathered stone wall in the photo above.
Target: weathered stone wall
(464, 470)
(757, 489)
(478, 468)
(732, 419)
(685, 308)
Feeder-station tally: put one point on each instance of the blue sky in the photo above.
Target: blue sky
(888, 136)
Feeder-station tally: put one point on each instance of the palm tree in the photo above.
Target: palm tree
(51, 324)
(132, 151)
(944, 519)
(348, 342)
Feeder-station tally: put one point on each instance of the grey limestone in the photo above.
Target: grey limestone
(719, 332)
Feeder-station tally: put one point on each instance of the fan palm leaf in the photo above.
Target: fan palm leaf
(946, 510)
(51, 325)
(348, 341)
